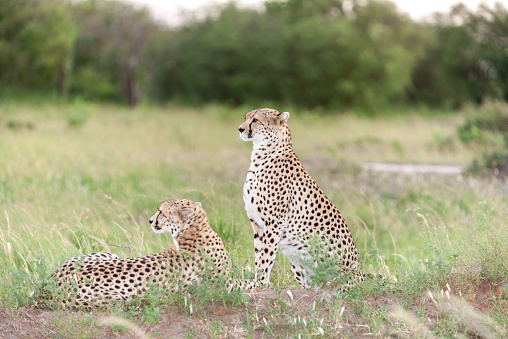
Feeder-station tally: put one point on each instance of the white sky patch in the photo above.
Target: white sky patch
(175, 12)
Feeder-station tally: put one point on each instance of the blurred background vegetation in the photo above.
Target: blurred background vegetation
(105, 112)
(331, 54)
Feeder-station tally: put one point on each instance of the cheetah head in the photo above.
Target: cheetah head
(175, 216)
(263, 125)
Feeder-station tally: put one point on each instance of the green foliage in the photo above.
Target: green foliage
(93, 85)
(362, 55)
(109, 50)
(332, 54)
(493, 119)
(218, 59)
(487, 130)
(75, 325)
(482, 254)
(316, 59)
(490, 27)
(36, 39)
(462, 260)
(217, 330)
(152, 312)
(91, 49)
(326, 267)
(464, 59)
(215, 287)
(226, 231)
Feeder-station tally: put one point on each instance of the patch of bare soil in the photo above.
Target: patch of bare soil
(270, 313)
(485, 294)
(24, 323)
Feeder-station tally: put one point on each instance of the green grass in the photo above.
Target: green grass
(77, 178)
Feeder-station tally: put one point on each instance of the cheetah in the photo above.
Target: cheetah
(286, 207)
(96, 279)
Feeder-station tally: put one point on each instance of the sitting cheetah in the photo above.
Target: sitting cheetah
(286, 207)
(96, 279)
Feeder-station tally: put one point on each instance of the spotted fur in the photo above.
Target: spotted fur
(96, 279)
(286, 207)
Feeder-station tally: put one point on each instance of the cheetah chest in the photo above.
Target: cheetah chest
(249, 192)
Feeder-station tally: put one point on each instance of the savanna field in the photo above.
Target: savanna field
(78, 178)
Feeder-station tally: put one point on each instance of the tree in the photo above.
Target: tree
(360, 56)
(312, 53)
(36, 38)
(490, 27)
(233, 58)
(465, 58)
(107, 55)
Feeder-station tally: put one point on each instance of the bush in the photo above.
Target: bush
(487, 129)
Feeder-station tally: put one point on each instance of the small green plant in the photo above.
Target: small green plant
(75, 325)
(248, 323)
(218, 330)
(190, 332)
(118, 329)
(129, 311)
(398, 147)
(215, 287)
(27, 282)
(152, 311)
(76, 119)
(325, 262)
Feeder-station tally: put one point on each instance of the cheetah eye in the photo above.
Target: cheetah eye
(254, 120)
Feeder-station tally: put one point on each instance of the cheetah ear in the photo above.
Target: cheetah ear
(185, 212)
(283, 117)
(199, 204)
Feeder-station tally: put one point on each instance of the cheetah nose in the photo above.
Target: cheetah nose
(241, 129)
(150, 221)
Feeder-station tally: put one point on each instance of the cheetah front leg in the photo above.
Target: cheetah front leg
(266, 241)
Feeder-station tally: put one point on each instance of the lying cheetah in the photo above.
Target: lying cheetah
(96, 279)
(286, 207)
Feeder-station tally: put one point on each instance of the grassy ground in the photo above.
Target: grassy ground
(79, 178)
